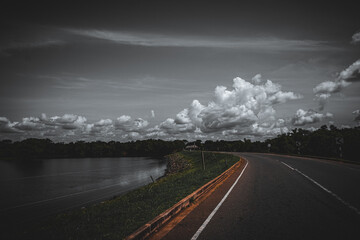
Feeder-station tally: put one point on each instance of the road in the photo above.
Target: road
(280, 197)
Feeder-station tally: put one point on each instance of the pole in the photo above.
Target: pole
(203, 159)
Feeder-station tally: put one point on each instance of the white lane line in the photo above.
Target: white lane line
(325, 189)
(202, 227)
(288, 166)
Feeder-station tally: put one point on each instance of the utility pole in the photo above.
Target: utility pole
(298, 144)
(339, 142)
(203, 158)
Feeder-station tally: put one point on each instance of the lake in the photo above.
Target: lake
(37, 189)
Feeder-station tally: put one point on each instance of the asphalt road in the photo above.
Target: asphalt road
(281, 197)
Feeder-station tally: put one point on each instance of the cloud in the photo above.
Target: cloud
(6, 126)
(170, 126)
(160, 40)
(127, 124)
(328, 87)
(303, 117)
(324, 90)
(6, 50)
(72, 127)
(67, 121)
(257, 79)
(357, 113)
(246, 109)
(322, 99)
(352, 73)
(356, 38)
(30, 124)
(104, 126)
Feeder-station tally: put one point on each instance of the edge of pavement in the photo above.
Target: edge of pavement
(145, 231)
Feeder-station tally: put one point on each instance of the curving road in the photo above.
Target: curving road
(280, 197)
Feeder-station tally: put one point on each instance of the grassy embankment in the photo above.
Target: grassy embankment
(119, 217)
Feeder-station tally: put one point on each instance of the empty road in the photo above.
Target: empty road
(280, 197)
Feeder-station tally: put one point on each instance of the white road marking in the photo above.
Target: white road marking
(325, 189)
(202, 227)
(288, 166)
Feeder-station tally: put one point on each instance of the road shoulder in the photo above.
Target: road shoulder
(187, 222)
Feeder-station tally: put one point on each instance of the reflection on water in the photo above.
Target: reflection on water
(43, 181)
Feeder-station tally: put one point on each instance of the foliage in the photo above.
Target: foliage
(33, 148)
(326, 142)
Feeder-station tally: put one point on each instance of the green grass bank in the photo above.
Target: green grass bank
(119, 217)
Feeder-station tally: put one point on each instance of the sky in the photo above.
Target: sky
(137, 70)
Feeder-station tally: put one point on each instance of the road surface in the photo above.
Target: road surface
(280, 197)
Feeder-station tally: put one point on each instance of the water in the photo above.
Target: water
(37, 189)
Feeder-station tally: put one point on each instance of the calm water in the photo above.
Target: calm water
(41, 188)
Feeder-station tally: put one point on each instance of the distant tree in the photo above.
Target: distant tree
(327, 142)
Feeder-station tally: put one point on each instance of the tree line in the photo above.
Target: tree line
(326, 142)
(33, 148)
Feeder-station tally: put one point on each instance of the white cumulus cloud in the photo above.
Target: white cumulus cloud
(324, 90)
(30, 124)
(257, 79)
(330, 87)
(67, 121)
(104, 126)
(352, 73)
(127, 124)
(242, 110)
(303, 117)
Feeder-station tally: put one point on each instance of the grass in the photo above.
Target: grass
(119, 217)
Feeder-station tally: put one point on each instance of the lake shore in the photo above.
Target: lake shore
(119, 217)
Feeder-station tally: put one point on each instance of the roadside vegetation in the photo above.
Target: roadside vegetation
(328, 142)
(119, 217)
(33, 148)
